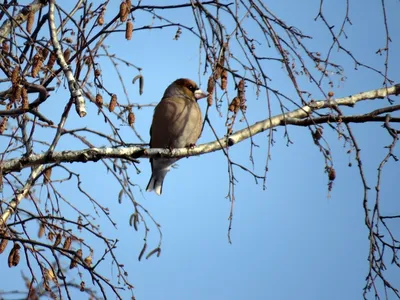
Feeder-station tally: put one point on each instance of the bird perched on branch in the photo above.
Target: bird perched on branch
(176, 123)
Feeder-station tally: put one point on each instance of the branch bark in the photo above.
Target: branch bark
(301, 116)
(73, 86)
(20, 18)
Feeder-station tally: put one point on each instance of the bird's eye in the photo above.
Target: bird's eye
(192, 88)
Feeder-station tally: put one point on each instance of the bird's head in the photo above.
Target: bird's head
(184, 87)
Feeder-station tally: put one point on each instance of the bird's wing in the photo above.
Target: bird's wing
(166, 114)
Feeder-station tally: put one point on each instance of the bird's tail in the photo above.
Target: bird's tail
(159, 168)
(155, 184)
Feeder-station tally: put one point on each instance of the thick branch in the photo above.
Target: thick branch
(20, 18)
(296, 117)
(73, 86)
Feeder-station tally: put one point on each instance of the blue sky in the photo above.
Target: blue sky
(291, 241)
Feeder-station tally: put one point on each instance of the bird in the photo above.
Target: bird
(177, 123)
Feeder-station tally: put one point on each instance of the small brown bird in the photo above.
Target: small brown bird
(176, 123)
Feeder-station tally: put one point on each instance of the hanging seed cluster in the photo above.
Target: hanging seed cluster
(100, 20)
(124, 10)
(37, 64)
(113, 103)
(219, 73)
(14, 256)
(30, 20)
(131, 118)
(47, 176)
(237, 103)
(76, 259)
(129, 30)
(4, 242)
(99, 100)
(210, 90)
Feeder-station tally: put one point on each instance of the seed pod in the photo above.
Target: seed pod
(51, 61)
(142, 251)
(88, 60)
(41, 230)
(74, 261)
(97, 72)
(15, 75)
(88, 260)
(330, 94)
(25, 99)
(16, 93)
(234, 105)
(49, 275)
(3, 124)
(123, 12)
(113, 103)
(241, 91)
(131, 118)
(210, 99)
(3, 243)
(30, 20)
(67, 54)
(5, 48)
(99, 100)
(45, 53)
(58, 240)
(47, 175)
(210, 90)
(82, 286)
(317, 134)
(220, 63)
(224, 79)
(100, 20)
(141, 85)
(50, 236)
(37, 64)
(128, 4)
(129, 30)
(332, 174)
(210, 84)
(14, 256)
(67, 243)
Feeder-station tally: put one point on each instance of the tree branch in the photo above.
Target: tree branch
(301, 116)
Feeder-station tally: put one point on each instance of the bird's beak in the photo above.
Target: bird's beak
(198, 94)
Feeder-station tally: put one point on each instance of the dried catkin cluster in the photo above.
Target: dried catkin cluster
(237, 103)
(99, 100)
(129, 30)
(113, 103)
(4, 242)
(51, 61)
(131, 118)
(29, 22)
(100, 20)
(124, 9)
(3, 124)
(36, 64)
(14, 256)
(210, 90)
(76, 259)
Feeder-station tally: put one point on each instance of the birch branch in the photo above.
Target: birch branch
(73, 86)
(301, 116)
(21, 194)
(19, 19)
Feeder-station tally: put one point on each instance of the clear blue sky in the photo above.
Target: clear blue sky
(290, 241)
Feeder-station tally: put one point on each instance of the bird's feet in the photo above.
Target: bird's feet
(191, 146)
